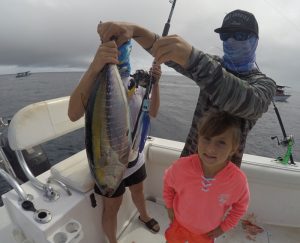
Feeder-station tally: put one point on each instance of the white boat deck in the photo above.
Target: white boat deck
(275, 193)
(137, 233)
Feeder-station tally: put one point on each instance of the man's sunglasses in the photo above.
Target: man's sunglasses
(238, 36)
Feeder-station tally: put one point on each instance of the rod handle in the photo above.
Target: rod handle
(166, 29)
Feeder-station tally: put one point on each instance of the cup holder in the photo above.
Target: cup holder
(69, 233)
(60, 237)
(72, 227)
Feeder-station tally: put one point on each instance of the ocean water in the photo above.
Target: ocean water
(178, 100)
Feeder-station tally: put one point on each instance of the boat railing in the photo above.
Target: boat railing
(4, 162)
(14, 184)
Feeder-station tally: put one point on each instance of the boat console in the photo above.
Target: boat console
(76, 213)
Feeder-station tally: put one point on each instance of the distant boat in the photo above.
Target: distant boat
(281, 94)
(23, 74)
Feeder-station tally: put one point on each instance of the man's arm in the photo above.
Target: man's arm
(232, 94)
(123, 31)
(168, 48)
(247, 98)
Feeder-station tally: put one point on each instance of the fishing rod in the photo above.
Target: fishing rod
(167, 24)
(287, 140)
(164, 33)
(144, 110)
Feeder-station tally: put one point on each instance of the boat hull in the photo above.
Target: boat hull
(281, 97)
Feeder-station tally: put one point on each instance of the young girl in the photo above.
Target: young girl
(205, 193)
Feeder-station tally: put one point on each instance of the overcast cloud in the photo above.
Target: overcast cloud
(60, 35)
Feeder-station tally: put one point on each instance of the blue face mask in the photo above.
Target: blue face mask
(124, 66)
(239, 56)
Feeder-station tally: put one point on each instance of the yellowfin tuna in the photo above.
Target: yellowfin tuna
(108, 131)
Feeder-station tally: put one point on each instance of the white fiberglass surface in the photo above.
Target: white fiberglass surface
(271, 234)
(137, 233)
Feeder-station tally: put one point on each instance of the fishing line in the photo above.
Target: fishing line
(278, 10)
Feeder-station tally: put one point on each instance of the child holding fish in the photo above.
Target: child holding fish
(205, 193)
(109, 53)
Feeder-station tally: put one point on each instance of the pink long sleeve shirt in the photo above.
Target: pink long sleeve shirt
(201, 204)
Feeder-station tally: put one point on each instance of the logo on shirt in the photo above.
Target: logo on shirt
(223, 198)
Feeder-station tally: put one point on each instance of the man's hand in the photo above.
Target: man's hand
(172, 48)
(119, 31)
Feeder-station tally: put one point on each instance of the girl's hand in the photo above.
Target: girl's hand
(106, 53)
(155, 71)
(215, 233)
(171, 214)
(172, 48)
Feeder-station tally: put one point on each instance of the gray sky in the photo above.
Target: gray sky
(60, 35)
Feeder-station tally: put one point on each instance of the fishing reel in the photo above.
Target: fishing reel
(288, 142)
(285, 141)
(140, 78)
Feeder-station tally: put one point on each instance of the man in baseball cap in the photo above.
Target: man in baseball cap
(230, 83)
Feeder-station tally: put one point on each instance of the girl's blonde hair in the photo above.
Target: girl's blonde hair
(214, 123)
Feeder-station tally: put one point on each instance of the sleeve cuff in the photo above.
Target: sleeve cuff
(194, 56)
(225, 227)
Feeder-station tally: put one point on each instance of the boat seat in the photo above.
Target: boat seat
(74, 172)
(49, 117)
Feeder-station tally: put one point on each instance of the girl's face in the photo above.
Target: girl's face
(214, 152)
